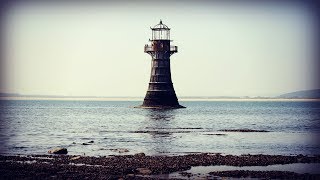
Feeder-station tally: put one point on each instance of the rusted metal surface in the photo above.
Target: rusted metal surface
(160, 92)
(151, 49)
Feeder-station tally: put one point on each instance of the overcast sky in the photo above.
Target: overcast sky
(97, 49)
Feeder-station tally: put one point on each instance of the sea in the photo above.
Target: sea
(102, 128)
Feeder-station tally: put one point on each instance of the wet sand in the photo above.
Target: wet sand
(140, 166)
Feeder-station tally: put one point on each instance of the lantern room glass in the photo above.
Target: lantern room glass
(160, 32)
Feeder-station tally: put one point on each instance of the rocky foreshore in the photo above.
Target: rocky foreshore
(140, 166)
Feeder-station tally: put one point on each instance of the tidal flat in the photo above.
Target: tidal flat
(141, 166)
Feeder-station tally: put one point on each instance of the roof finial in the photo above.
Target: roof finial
(160, 21)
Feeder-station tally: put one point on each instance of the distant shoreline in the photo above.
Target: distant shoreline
(182, 99)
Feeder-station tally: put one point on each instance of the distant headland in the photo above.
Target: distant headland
(307, 94)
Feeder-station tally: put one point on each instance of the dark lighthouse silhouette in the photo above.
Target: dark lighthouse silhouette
(160, 94)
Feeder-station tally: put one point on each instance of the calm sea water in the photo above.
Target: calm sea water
(34, 127)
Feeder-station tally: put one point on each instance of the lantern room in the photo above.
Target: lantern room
(160, 32)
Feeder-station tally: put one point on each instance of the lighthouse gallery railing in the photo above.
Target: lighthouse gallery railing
(149, 48)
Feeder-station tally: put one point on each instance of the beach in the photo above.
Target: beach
(140, 166)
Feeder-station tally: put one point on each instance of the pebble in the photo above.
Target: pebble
(144, 171)
(58, 151)
(75, 158)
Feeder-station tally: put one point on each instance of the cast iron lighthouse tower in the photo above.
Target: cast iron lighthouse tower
(160, 92)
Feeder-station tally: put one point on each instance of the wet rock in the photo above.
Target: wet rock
(120, 150)
(144, 171)
(58, 151)
(216, 134)
(88, 143)
(75, 158)
(186, 174)
(140, 155)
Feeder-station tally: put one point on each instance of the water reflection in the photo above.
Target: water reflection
(163, 115)
(159, 124)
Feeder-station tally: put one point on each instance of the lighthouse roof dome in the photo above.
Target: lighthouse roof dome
(160, 26)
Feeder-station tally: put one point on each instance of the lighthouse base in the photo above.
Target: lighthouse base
(161, 99)
(160, 107)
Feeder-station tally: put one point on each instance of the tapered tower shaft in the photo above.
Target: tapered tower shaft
(160, 92)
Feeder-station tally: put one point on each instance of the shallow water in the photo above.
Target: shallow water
(202, 172)
(33, 127)
(301, 168)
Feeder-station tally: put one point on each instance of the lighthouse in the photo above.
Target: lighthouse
(160, 93)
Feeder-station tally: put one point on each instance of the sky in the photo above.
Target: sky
(96, 49)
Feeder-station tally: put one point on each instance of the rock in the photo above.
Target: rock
(140, 155)
(120, 150)
(186, 174)
(123, 150)
(88, 143)
(58, 151)
(75, 158)
(216, 134)
(144, 171)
